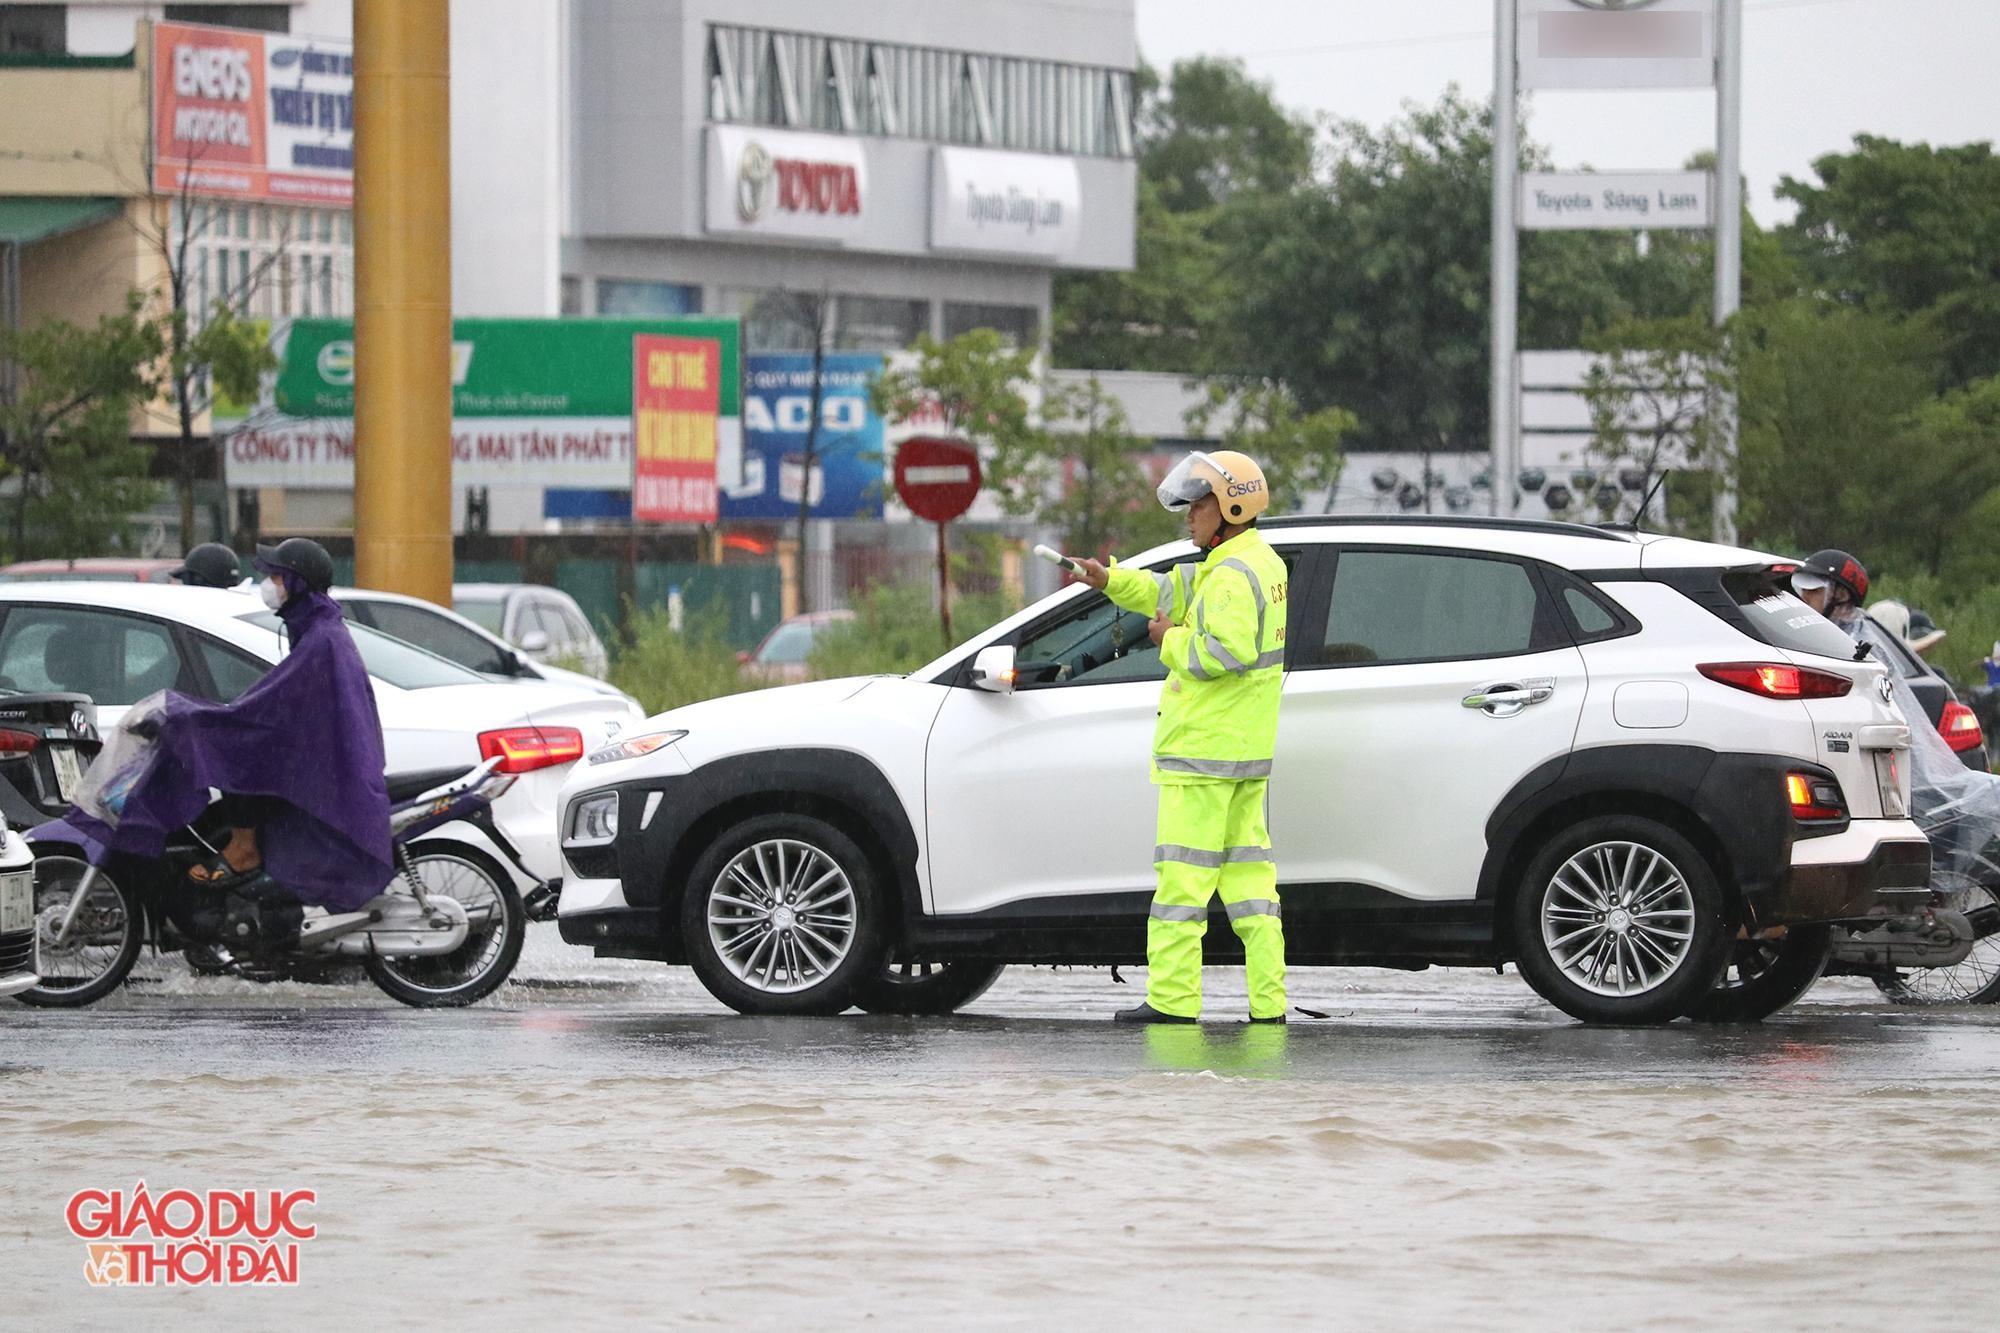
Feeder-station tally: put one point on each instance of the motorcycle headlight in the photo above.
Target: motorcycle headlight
(593, 820)
(631, 747)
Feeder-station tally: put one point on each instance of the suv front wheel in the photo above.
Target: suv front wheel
(1619, 919)
(782, 915)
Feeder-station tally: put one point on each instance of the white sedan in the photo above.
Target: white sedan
(119, 642)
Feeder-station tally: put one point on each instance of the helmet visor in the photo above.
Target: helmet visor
(1188, 482)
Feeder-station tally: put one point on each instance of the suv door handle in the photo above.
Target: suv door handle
(1507, 699)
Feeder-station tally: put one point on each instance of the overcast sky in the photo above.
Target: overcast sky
(1816, 72)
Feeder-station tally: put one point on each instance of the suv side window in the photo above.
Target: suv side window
(1097, 642)
(115, 659)
(1410, 605)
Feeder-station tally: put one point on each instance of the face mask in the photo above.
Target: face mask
(273, 595)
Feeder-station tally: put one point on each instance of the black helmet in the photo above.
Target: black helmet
(209, 565)
(1838, 568)
(302, 556)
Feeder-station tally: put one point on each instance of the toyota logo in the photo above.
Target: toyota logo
(755, 178)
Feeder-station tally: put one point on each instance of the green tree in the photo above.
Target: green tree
(1217, 132)
(1103, 501)
(1299, 451)
(224, 357)
(976, 388)
(67, 395)
(1908, 229)
(1164, 315)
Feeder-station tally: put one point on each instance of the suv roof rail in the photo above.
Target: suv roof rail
(1549, 526)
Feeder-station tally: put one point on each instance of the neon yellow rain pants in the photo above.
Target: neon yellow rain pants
(1213, 839)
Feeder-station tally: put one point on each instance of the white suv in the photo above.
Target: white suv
(1602, 755)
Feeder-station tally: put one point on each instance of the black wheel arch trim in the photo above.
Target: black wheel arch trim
(1737, 800)
(803, 781)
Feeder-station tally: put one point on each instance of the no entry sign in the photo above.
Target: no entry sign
(937, 478)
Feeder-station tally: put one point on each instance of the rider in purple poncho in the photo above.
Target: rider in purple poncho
(298, 757)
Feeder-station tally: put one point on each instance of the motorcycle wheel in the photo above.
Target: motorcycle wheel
(103, 943)
(925, 989)
(1974, 979)
(477, 967)
(1764, 976)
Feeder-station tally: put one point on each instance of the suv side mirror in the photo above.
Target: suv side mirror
(535, 641)
(993, 669)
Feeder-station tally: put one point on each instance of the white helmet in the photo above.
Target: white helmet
(1233, 479)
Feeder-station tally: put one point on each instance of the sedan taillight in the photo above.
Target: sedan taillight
(1959, 726)
(525, 749)
(1777, 680)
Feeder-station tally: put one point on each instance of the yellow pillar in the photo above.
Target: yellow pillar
(402, 297)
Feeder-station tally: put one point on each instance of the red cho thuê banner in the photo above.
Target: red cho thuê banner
(676, 397)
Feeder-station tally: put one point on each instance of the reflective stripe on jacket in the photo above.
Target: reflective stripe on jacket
(1224, 657)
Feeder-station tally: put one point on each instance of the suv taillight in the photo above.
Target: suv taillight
(1959, 726)
(1814, 800)
(1777, 680)
(525, 749)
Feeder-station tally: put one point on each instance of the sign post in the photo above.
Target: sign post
(1612, 44)
(938, 479)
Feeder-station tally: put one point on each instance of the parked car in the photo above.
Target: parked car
(47, 739)
(457, 639)
(17, 913)
(1954, 719)
(118, 643)
(1596, 754)
(783, 656)
(544, 623)
(95, 569)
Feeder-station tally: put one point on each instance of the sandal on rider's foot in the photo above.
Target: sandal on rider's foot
(217, 873)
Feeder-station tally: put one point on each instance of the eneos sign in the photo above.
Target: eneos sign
(251, 115)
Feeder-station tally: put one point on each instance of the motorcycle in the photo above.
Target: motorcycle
(445, 932)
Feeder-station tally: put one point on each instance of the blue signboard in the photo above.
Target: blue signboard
(846, 476)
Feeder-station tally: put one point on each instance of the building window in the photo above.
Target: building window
(34, 30)
(773, 321)
(1016, 323)
(757, 76)
(264, 260)
(878, 324)
(625, 296)
(572, 295)
(263, 18)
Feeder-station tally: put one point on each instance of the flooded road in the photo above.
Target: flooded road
(601, 1143)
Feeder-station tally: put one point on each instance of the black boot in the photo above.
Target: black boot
(1146, 1013)
(1274, 1018)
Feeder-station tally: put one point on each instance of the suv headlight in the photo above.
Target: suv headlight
(633, 746)
(593, 820)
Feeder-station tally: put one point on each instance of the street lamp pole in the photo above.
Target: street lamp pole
(1503, 400)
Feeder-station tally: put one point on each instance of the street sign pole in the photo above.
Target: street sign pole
(1506, 259)
(938, 479)
(1728, 244)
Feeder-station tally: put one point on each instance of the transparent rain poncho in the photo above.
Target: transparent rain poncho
(1957, 807)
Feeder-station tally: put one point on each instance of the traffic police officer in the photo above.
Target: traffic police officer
(1220, 626)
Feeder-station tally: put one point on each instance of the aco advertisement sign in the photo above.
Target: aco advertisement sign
(674, 396)
(844, 479)
(252, 115)
(535, 402)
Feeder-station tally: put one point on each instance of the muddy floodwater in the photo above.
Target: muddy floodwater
(602, 1144)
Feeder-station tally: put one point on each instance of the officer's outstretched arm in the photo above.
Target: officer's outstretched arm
(1152, 595)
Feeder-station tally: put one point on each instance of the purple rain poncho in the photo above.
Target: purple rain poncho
(307, 734)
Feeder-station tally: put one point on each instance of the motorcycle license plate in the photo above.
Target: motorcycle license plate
(17, 903)
(69, 770)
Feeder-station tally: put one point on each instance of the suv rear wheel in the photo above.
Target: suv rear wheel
(926, 989)
(1762, 976)
(1619, 919)
(782, 915)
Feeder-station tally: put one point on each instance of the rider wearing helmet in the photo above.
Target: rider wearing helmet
(1832, 583)
(209, 565)
(1220, 626)
(298, 756)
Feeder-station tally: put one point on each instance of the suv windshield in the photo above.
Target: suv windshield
(1782, 620)
(487, 613)
(389, 660)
